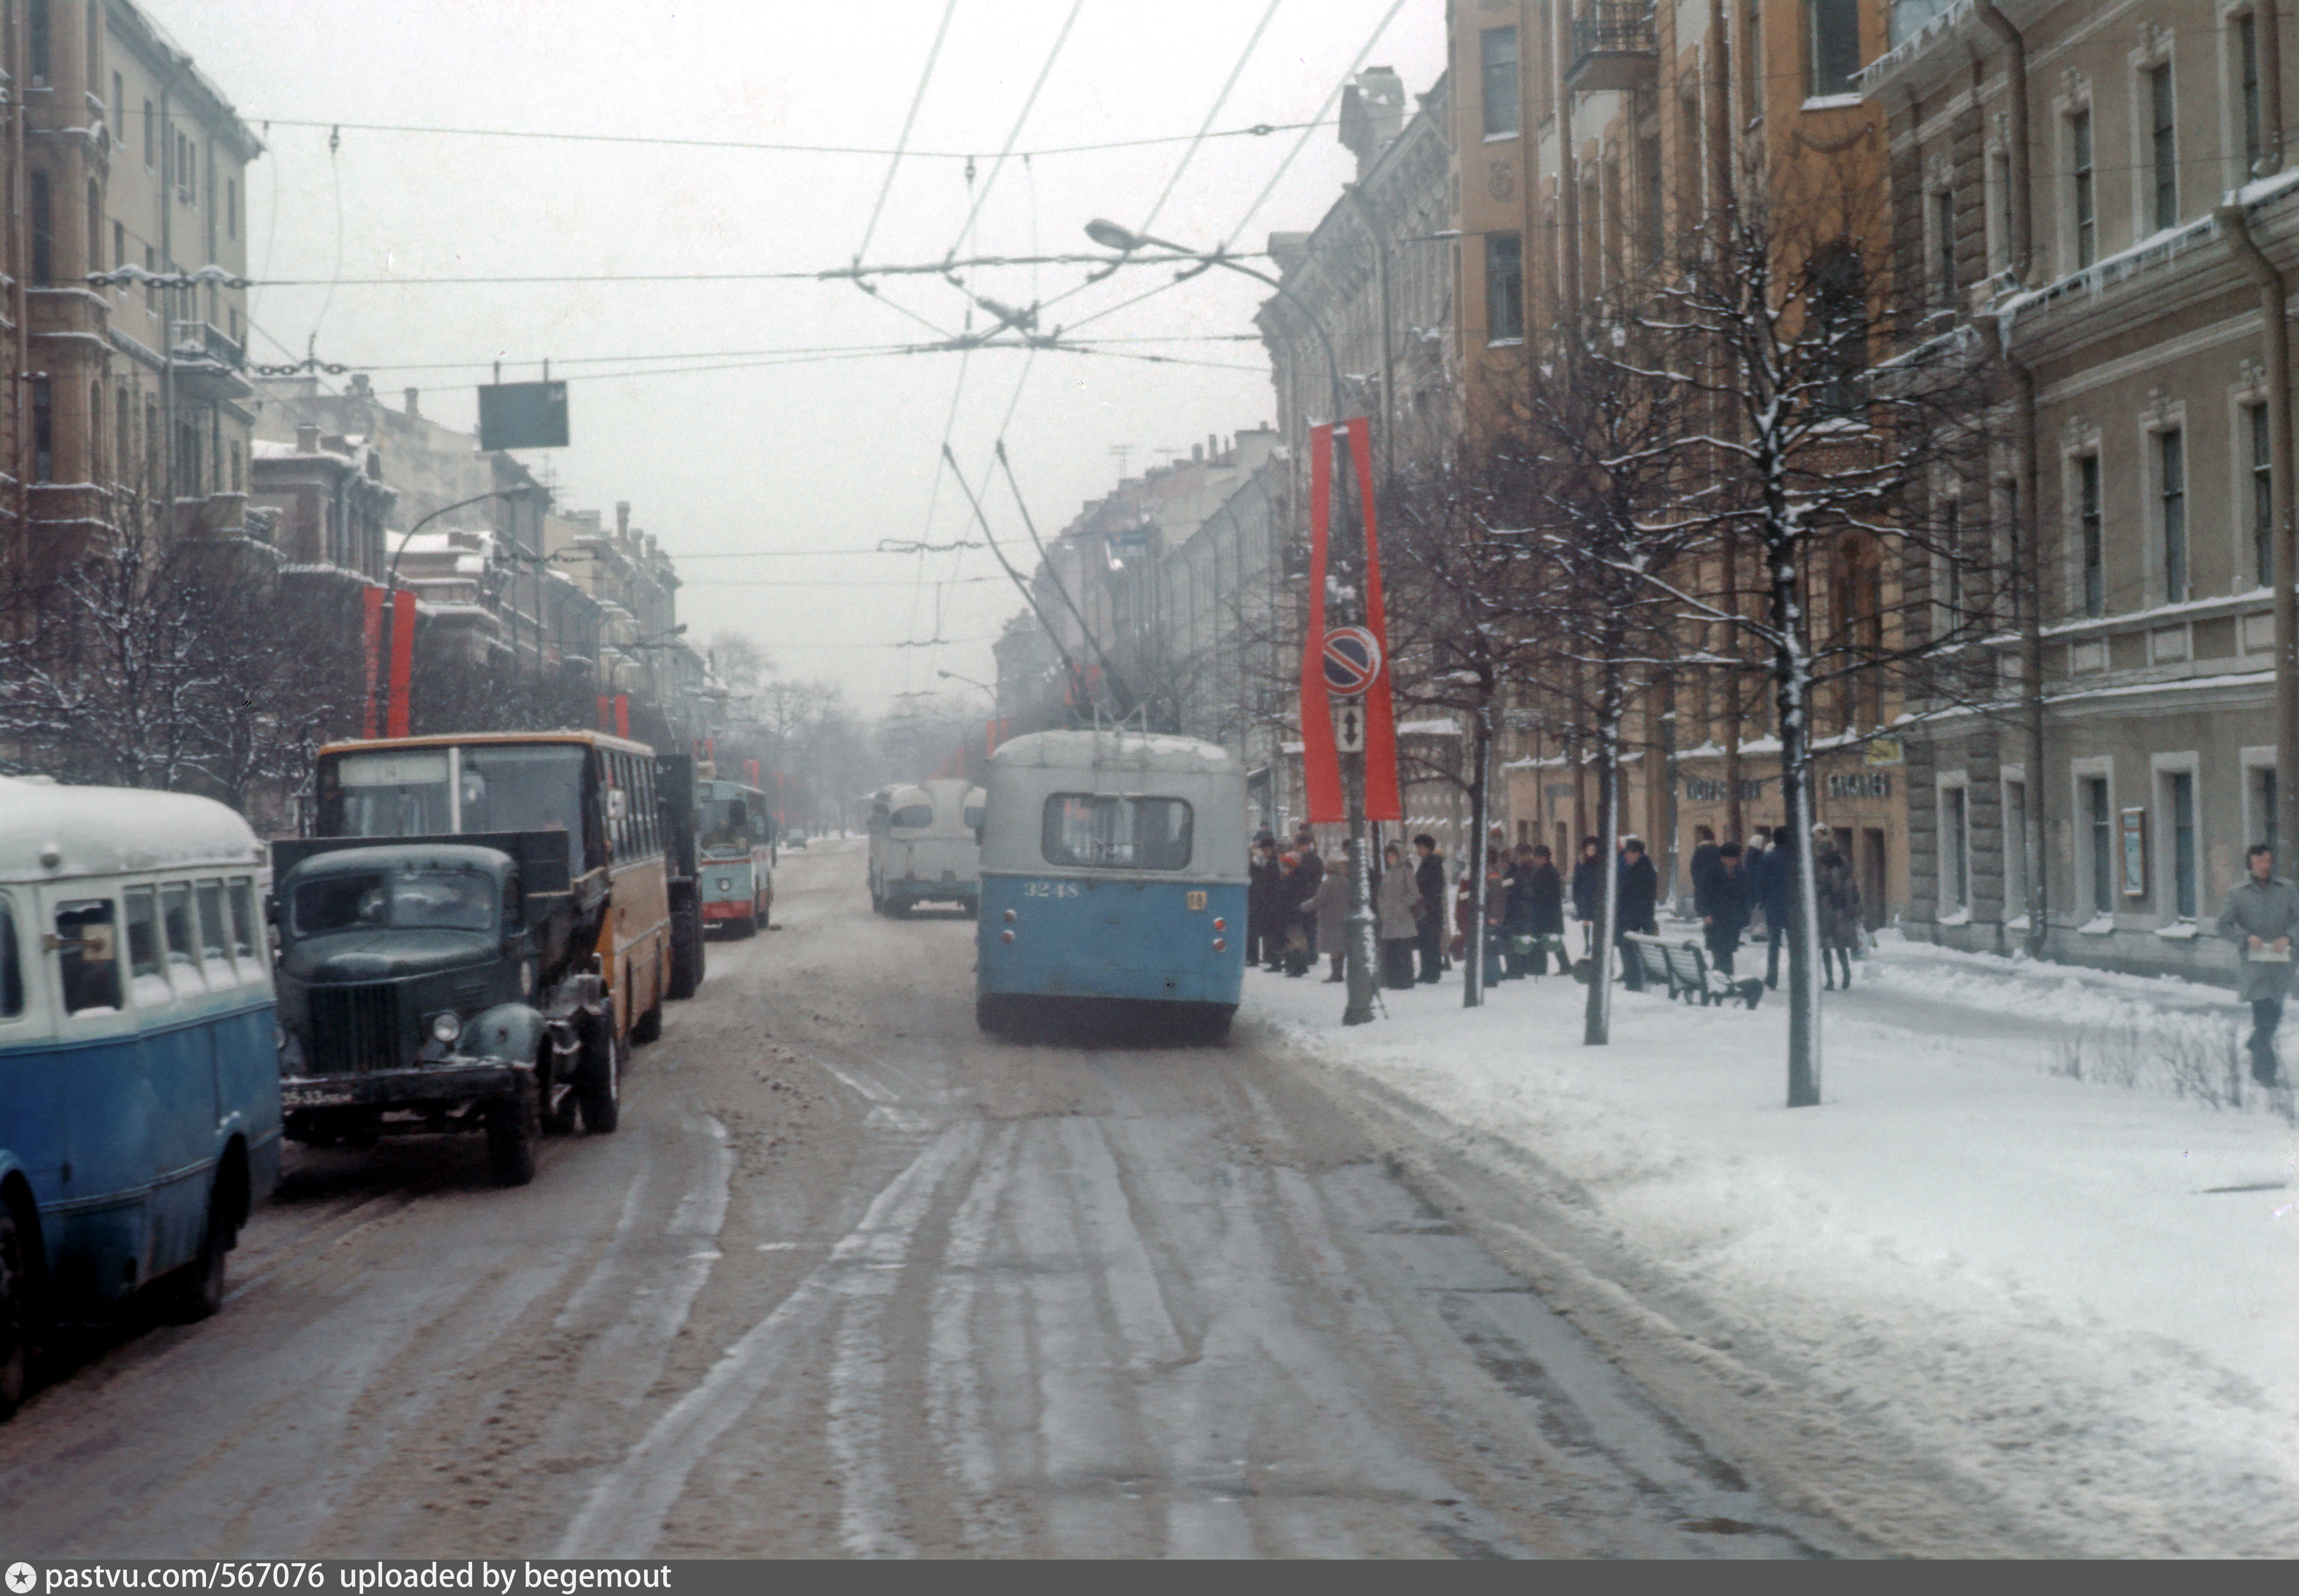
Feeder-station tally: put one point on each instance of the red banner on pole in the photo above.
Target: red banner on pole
(1321, 764)
(371, 616)
(1381, 714)
(402, 659)
(622, 715)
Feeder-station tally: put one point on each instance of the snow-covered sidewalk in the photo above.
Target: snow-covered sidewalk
(2031, 1229)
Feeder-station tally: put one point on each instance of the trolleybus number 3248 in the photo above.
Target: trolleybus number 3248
(1050, 889)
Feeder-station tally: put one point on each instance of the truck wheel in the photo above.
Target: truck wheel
(557, 1118)
(198, 1291)
(514, 1125)
(599, 1089)
(19, 1311)
(686, 953)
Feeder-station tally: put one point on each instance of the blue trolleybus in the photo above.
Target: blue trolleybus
(734, 836)
(139, 1061)
(1113, 868)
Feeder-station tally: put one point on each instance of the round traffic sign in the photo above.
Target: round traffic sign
(1352, 659)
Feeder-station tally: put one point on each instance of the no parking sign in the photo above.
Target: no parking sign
(1352, 659)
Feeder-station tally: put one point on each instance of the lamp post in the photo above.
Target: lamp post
(970, 681)
(1359, 960)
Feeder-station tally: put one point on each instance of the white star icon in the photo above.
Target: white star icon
(21, 1577)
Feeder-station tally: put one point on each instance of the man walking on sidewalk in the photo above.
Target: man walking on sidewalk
(2260, 915)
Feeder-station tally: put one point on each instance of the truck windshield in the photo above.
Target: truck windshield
(456, 900)
(726, 825)
(493, 786)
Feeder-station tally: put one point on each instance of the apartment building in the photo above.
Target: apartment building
(2063, 174)
(1592, 140)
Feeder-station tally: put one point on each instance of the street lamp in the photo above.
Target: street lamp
(970, 681)
(1360, 961)
(391, 576)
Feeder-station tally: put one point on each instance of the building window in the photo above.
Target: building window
(2101, 823)
(94, 14)
(151, 129)
(2171, 465)
(1832, 32)
(2246, 49)
(2262, 494)
(1951, 543)
(1648, 158)
(231, 208)
(151, 291)
(96, 432)
(95, 228)
(119, 109)
(2015, 847)
(1944, 246)
(44, 430)
(2164, 147)
(1497, 54)
(124, 445)
(2080, 178)
(1999, 170)
(2093, 545)
(235, 465)
(2263, 797)
(119, 248)
(38, 44)
(1956, 862)
(1837, 290)
(44, 232)
(1504, 287)
(2181, 792)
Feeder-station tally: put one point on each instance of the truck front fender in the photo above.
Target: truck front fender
(513, 1031)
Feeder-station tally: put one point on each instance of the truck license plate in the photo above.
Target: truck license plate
(313, 1096)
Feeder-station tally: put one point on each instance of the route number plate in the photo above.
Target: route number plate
(1196, 900)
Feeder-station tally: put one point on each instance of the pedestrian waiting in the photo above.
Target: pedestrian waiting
(2260, 915)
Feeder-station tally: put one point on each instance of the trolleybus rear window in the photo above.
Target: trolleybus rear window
(912, 817)
(1116, 833)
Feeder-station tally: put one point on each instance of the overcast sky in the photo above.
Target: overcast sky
(822, 450)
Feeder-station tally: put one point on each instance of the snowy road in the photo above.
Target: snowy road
(852, 1278)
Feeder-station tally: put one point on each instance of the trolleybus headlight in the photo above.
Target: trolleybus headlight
(1009, 917)
(1005, 936)
(446, 1026)
(726, 884)
(1221, 944)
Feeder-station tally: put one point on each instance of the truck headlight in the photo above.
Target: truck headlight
(446, 1026)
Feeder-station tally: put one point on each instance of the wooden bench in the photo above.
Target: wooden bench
(1682, 968)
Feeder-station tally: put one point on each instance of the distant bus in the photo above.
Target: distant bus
(596, 790)
(1113, 872)
(734, 835)
(139, 1071)
(926, 846)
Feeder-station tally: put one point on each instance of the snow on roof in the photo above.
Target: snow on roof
(1429, 728)
(111, 831)
(1107, 748)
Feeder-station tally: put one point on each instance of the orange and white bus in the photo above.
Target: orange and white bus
(608, 956)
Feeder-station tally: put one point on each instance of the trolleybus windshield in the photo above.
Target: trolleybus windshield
(726, 825)
(1116, 833)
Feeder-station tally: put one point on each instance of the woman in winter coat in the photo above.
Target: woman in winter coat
(1839, 906)
(1331, 907)
(1393, 909)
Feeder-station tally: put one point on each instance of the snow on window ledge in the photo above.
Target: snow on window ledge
(2184, 931)
(2098, 925)
(2019, 923)
(1956, 917)
(1832, 101)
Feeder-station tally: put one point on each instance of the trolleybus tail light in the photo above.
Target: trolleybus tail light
(1220, 924)
(1009, 917)
(1221, 944)
(1005, 936)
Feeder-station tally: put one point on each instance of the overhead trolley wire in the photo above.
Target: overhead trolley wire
(910, 121)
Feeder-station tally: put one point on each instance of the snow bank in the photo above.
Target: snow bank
(2076, 1300)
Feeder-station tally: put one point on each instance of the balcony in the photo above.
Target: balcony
(208, 364)
(1616, 47)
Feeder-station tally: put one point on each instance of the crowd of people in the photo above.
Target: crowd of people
(1298, 909)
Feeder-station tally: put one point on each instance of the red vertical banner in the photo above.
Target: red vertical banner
(606, 713)
(1320, 765)
(402, 659)
(622, 715)
(1381, 714)
(371, 616)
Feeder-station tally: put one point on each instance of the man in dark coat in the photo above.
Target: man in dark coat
(1640, 903)
(1720, 897)
(1588, 887)
(2260, 917)
(1769, 886)
(1429, 937)
(1544, 894)
(1262, 937)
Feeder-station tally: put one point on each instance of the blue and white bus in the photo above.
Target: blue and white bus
(1113, 868)
(139, 1059)
(733, 838)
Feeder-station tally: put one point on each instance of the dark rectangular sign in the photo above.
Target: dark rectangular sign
(523, 415)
